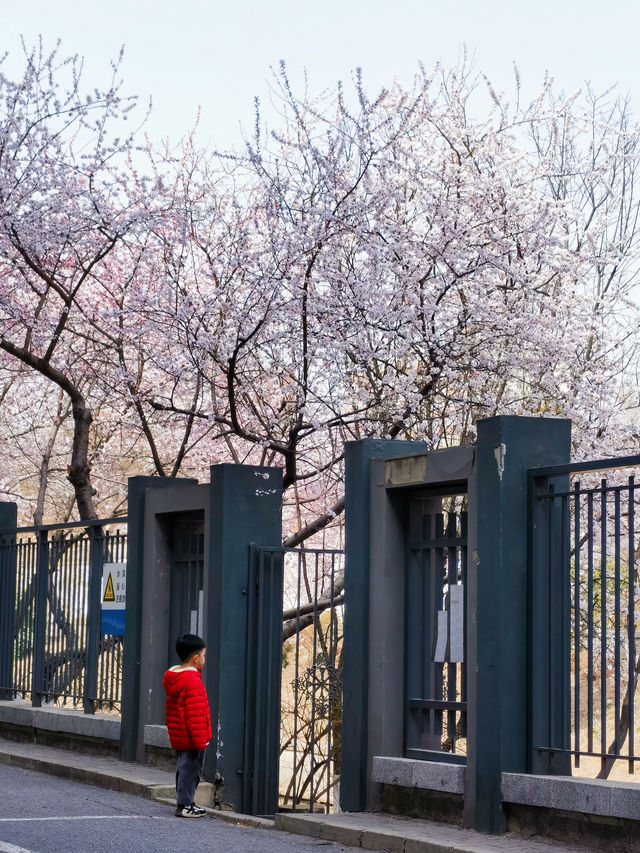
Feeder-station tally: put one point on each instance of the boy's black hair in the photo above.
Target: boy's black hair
(187, 644)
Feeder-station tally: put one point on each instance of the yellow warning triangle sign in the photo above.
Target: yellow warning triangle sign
(109, 594)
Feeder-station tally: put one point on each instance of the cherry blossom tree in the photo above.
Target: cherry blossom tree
(64, 207)
(397, 269)
(391, 267)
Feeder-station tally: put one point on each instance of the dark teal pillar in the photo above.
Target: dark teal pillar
(498, 697)
(246, 508)
(8, 523)
(358, 456)
(130, 717)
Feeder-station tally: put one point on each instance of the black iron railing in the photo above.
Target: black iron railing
(53, 648)
(586, 543)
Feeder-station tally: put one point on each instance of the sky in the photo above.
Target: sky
(217, 57)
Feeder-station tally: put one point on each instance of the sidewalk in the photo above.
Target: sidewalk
(362, 830)
(406, 835)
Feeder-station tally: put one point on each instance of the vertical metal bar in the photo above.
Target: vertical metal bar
(551, 561)
(68, 617)
(576, 622)
(314, 680)
(296, 697)
(27, 577)
(631, 676)
(31, 629)
(102, 691)
(563, 720)
(85, 567)
(617, 618)
(603, 619)
(590, 579)
(21, 594)
(464, 527)
(14, 637)
(268, 601)
(250, 679)
(55, 631)
(258, 679)
(7, 611)
(16, 626)
(80, 610)
(93, 620)
(40, 618)
(331, 676)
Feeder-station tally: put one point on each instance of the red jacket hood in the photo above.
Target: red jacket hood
(175, 680)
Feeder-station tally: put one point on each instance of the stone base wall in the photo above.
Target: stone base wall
(585, 831)
(431, 790)
(418, 802)
(95, 734)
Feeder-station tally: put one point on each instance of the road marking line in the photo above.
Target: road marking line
(11, 848)
(82, 817)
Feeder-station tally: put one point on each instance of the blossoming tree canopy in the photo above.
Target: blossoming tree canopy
(66, 201)
(389, 267)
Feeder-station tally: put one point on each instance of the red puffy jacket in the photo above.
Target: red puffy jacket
(188, 716)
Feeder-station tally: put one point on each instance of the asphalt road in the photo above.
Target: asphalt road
(41, 814)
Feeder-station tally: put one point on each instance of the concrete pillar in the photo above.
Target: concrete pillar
(498, 678)
(355, 711)
(130, 739)
(246, 508)
(8, 523)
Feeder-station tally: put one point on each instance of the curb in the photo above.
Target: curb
(234, 818)
(99, 779)
(407, 835)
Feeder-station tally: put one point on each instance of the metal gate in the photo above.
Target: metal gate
(435, 643)
(293, 732)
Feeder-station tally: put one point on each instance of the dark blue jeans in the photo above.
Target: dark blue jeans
(188, 774)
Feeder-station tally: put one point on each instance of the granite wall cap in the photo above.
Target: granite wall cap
(156, 735)
(413, 773)
(63, 720)
(587, 796)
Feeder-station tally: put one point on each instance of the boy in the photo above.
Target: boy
(188, 720)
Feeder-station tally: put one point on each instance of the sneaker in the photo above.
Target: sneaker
(190, 811)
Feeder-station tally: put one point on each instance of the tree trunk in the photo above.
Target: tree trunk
(79, 474)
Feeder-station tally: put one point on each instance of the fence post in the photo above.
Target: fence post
(8, 564)
(40, 618)
(498, 687)
(246, 507)
(93, 620)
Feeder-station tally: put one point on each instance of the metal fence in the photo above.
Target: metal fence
(296, 618)
(590, 551)
(311, 691)
(53, 648)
